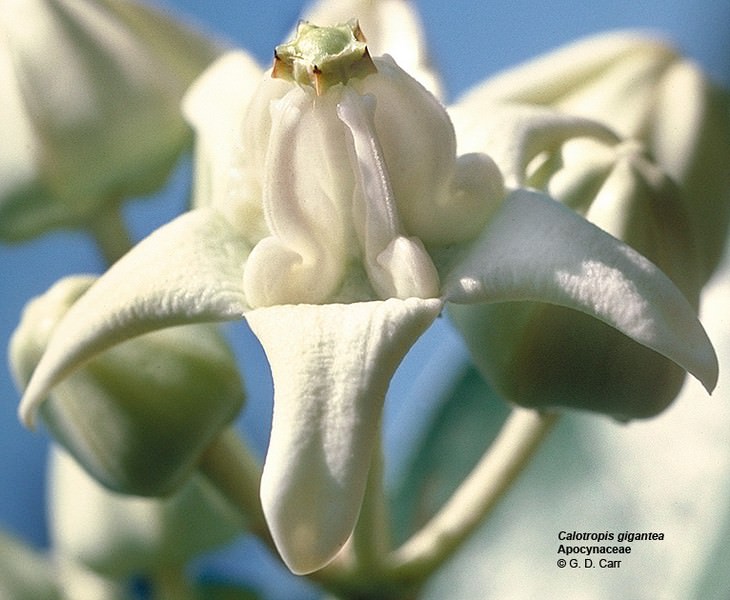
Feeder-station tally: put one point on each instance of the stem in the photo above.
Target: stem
(232, 469)
(110, 233)
(475, 498)
(371, 537)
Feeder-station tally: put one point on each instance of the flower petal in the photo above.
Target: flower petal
(391, 27)
(331, 366)
(215, 106)
(550, 77)
(536, 249)
(188, 271)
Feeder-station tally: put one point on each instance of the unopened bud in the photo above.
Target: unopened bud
(138, 416)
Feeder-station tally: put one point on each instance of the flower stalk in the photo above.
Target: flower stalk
(370, 542)
(230, 466)
(111, 233)
(469, 506)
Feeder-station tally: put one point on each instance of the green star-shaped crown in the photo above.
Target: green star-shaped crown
(323, 56)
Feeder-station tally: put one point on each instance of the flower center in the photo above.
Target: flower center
(358, 177)
(323, 56)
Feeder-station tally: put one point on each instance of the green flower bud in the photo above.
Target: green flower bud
(540, 355)
(643, 89)
(90, 95)
(138, 416)
(619, 189)
(117, 535)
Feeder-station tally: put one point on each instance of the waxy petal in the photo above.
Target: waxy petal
(188, 271)
(537, 249)
(390, 27)
(331, 366)
(215, 106)
(548, 78)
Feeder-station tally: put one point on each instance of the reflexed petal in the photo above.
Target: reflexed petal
(188, 271)
(391, 27)
(331, 366)
(536, 249)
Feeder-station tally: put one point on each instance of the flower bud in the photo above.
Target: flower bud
(138, 416)
(540, 355)
(118, 535)
(619, 189)
(643, 89)
(90, 95)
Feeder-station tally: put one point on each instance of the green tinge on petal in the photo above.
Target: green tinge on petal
(188, 271)
(331, 366)
(536, 249)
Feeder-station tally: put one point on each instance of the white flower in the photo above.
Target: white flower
(90, 94)
(336, 217)
(627, 132)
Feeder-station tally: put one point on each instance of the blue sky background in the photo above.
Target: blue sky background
(469, 40)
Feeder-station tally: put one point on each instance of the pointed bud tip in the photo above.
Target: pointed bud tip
(711, 374)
